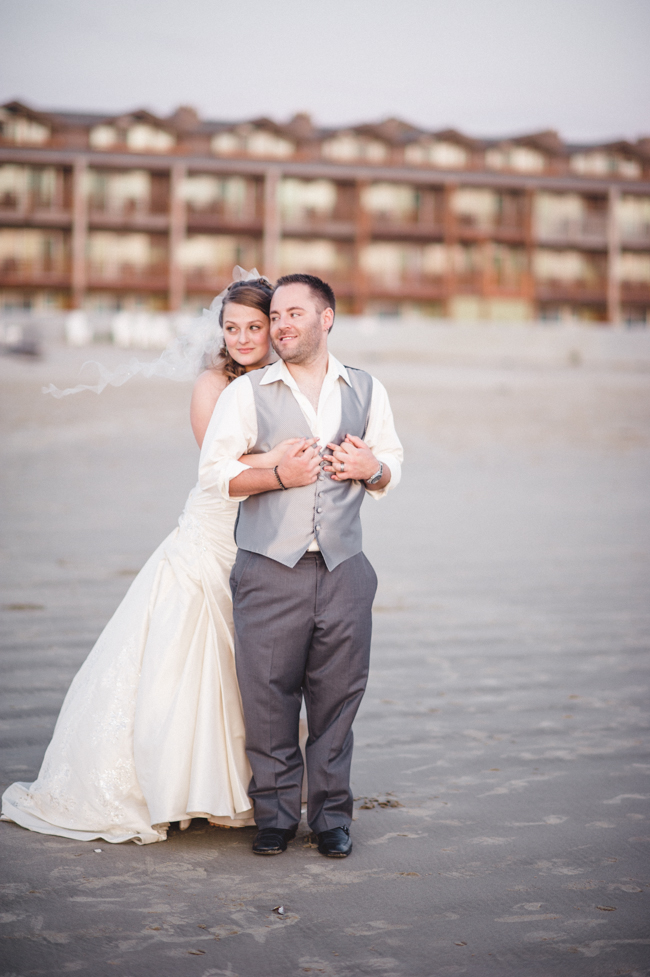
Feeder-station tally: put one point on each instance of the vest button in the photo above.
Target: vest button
(317, 526)
(319, 510)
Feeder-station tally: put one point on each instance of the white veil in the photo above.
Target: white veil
(183, 358)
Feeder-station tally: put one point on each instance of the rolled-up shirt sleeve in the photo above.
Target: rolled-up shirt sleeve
(381, 438)
(231, 433)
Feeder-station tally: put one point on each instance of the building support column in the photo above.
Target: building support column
(272, 225)
(362, 235)
(177, 231)
(450, 238)
(613, 259)
(529, 243)
(79, 277)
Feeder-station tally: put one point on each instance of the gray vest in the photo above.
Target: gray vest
(281, 525)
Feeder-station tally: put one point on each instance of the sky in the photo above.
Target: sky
(486, 67)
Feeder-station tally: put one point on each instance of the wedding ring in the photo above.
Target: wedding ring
(342, 467)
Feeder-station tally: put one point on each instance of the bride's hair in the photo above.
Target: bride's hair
(255, 294)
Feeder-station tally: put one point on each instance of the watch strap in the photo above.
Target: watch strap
(377, 476)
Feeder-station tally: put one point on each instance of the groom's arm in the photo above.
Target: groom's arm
(381, 437)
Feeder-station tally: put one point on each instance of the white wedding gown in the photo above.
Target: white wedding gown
(151, 730)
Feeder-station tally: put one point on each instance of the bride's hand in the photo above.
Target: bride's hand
(274, 456)
(269, 459)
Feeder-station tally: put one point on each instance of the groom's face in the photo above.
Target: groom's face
(299, 327)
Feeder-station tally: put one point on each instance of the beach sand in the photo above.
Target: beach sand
(501, 769)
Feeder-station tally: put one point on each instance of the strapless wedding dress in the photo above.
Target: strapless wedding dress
(151, 730)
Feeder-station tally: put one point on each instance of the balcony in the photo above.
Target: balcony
(127, 219)
(594, 290)
(405, 230)
(589, 232)
(152, 277)
(208, 279)
(17, 272)
(636, 236)
(224, 221)
(635, 292)
(31, 210)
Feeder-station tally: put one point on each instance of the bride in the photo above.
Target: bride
(151, 730)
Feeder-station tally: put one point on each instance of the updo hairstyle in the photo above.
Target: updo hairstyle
(255, 294)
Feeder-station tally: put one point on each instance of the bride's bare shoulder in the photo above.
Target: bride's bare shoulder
(211, 382)
(208, 387)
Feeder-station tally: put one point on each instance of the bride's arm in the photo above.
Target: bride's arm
(207, 389)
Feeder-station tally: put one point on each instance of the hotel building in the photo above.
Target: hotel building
(138, 212)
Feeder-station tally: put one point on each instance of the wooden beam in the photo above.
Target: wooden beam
(613, 258)
(450, 237)
(79, 231)
(272, 225)
(362, 233)
(177, 231)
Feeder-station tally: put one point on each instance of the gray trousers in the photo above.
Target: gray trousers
(301, 631)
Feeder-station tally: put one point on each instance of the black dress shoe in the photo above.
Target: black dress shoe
(335, 843)
(272, 841)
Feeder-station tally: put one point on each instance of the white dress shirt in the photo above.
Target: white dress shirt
(232, 431)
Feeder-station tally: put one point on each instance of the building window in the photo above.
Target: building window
(103, 137)
(112, 255)
(305, 200)
(562, 266)
(252, 142)
(21, 130)
(225, 144)
(27, 187)
(523, 159)
(602, 163)
(209, 256)
(475, 207)
(26, 251)
(119, 192)
(205, 193)
(318, 257)
(143, 138)
(348, 147)
(445, 155)
(268, 145)
(635, 268)
(391, 201)
(634, 218)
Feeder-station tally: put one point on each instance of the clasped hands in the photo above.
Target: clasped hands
(302, 461)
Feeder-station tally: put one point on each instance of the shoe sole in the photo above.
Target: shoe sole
(335, 854)
(274, 851)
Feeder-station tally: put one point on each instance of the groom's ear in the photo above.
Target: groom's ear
(327, 318)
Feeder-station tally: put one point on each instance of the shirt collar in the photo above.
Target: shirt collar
(279, 371)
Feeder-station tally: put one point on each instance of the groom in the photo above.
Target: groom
(302, 588)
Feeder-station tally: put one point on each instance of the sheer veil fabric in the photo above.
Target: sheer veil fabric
(151, 730)
(183, 359)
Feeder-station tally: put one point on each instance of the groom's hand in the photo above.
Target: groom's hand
(355, 456)
(300, 464)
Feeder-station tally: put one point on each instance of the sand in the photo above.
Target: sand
(501, 765)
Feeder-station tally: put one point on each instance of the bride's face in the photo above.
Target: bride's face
(246, 334)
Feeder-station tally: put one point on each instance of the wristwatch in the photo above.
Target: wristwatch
(377, 476)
